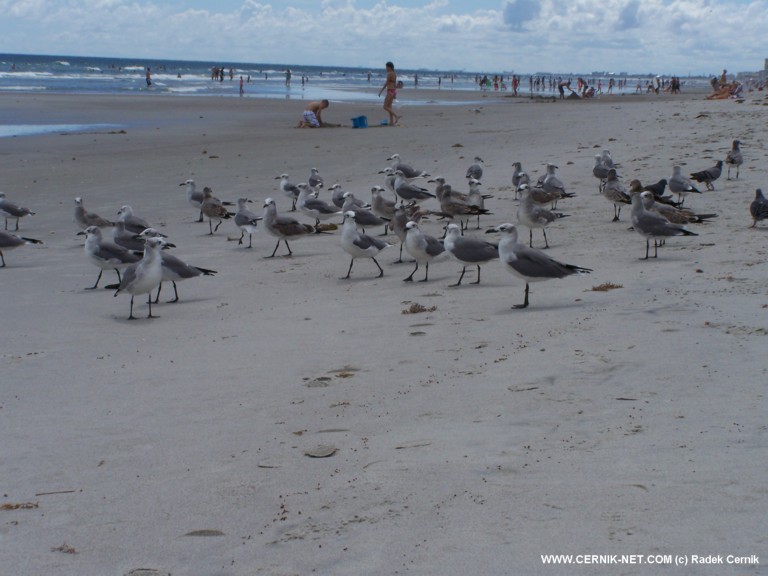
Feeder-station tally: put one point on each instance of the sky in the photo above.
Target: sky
(682, 37)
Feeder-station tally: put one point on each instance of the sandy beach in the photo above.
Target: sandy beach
(470, 438)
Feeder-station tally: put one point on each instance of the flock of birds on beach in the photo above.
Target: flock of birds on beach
(399, 207)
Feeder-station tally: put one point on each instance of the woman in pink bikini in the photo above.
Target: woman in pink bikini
(390, 85)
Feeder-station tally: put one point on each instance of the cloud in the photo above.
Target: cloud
(665, 36)
(628, 17)
(518, 12)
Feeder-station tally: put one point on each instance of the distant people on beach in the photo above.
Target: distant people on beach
(312, 117)
(561, 86)
(242, 86)
(148, 76)
(287, 76)
(390, 85)
(729, 90)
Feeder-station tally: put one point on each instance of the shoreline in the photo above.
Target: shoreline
(470, 437)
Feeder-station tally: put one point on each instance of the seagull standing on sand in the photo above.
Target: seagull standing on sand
(651, 225)
(145, 275)
(531, 215)
(174, 269)
(315, 180)
(246, 221)
(709, 175)
(422, 247)
(360, 245)
(476, 169)
(126, 239)
(529, 264)
(84, 219)
(600, 171)
(456, 205)
(680, 185)
(734, 158)
(468, 250)
(131, 222)
(363, 217)
(288, 189)
(407, 170)
(194, 197)
(314, 207)
(616, 193)
(10, 241)
(759, 208)
(10, 209)
(283, 227)
(519, 177)
(106, 255)
(409, 191)
(214, 209)
(553, 185)
(673, 214)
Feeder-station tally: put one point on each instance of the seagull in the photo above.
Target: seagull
(709, 175)
(174, 269)
(759, 208)
(552, 185)
(196, 198)
(607, 159)
(734, 158)
(455, 205)
(422, 247)
(519, 177)
(476, 169)
(283, 227)
(84, 219)
(314, 207)
(407, 170)
(389, 178)
(408, 191)
(475, 198)
(10, 241)
(143, 276)
(359, 245)
(674, 215)
(246, 221)
(10, 209)
(440, 184)
(531, 215)
(132, 222)
(616, 193)
(404, 213)
(382, 207)
(680, 185)
(529, 264)
(468, 250)
(652, 225)
(363, 217)
(288, 189)
(127, 239)
(214, 209)
(315, 180)
(600, 171)
(106, 255)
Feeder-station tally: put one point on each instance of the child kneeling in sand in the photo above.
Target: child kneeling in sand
(312, 115)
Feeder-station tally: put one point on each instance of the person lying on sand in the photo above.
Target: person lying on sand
(312, 115)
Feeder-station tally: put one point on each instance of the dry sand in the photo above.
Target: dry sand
(471, 439)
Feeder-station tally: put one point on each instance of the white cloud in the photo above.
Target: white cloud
(666, 36)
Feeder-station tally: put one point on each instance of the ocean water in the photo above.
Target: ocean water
(92, 75)
(80, 75)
